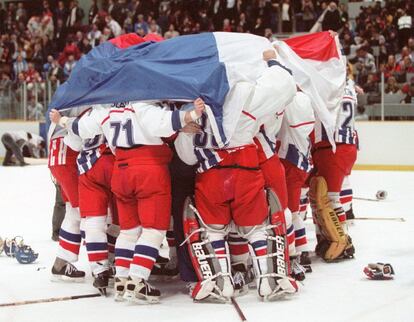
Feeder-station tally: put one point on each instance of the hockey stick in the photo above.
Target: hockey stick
(380, 218)
(238, 310)
(366, 199)
(51, 299)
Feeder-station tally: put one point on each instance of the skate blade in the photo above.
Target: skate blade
(65, 279)
(140, 299)
(119, 298)
(241, 292)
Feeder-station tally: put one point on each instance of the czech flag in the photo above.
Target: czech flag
(205, 65)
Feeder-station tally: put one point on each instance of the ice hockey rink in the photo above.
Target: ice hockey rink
(332, 292)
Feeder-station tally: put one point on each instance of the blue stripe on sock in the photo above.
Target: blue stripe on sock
(147, 251)
(300, 233)
(75, 238)
(122, 252)
(96, 246)
(218, 244)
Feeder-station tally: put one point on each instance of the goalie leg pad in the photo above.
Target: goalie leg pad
(212, 280)
(270, 253)
(328, 222)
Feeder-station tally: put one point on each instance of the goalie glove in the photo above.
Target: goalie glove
(379, 271)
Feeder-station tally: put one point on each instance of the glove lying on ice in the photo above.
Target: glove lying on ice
(379, 271)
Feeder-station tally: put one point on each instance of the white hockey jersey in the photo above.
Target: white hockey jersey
(127, 124)
(344, 115)
(293, 137)
(266, 137)
(272, 92)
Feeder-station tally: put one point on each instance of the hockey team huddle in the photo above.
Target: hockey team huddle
(135, 173)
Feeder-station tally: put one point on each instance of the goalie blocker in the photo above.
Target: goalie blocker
(334, 244)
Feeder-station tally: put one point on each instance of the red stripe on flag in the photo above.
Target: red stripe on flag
(317, 46)
(127, 40)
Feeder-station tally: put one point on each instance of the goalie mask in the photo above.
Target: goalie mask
(11, 245)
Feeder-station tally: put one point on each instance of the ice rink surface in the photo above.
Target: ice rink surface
(333, 292)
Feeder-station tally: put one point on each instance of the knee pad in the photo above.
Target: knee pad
(203, 257)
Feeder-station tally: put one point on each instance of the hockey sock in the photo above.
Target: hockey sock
(96, 243)
(146, 252)
(69, 235)
(239, 249)
(216, 238)
(112, 233)
(337, 206)
(300, 233)
(303, 202)
(345, 195)
(124, 250)
(290, 232)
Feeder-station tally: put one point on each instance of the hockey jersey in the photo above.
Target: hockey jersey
(272, 92)
(344, 116)
(266, 137)
(297, 124)
(127, 124)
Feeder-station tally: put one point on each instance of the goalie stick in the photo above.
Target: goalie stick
(51, 299)
(238, 309)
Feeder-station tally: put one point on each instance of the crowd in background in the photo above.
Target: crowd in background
(45, 43)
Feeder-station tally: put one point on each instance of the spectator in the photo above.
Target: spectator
(5, 84)
(48, 65)
(20, 66)
(85, 46)
(56, 74)
(75, 16)
(404, 27)
(409, 98)
(171, 33)
(69, 66)
(390, 68)
(308, 14)
(226, 25)
(21, 14)
(46, 27)
(371, 85)
(35, 110)
(70, 49)
(332, 19)
(94, 35)
(93, 11)
(113, 25)
(61, 13)
(258, 28)
(37, 57)
(141, 23)
(60, 36)
(3, 17)
(34, 26)
(392, 86)
(286, 16)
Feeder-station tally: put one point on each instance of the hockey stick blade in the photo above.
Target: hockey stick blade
(380, 218)
(238, 309)
(51, 299)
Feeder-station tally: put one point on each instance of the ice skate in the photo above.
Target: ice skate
(119, 287)
(67, 272)
(101, 281)
(138, 290)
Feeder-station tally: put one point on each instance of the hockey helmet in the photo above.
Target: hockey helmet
(25, 255)
(10, 245)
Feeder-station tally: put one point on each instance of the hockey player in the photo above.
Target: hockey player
(229, 186)
(62, 165)
(332, 167)
(22, 144)
(140, 182)
(294, 152)
(95, 164)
